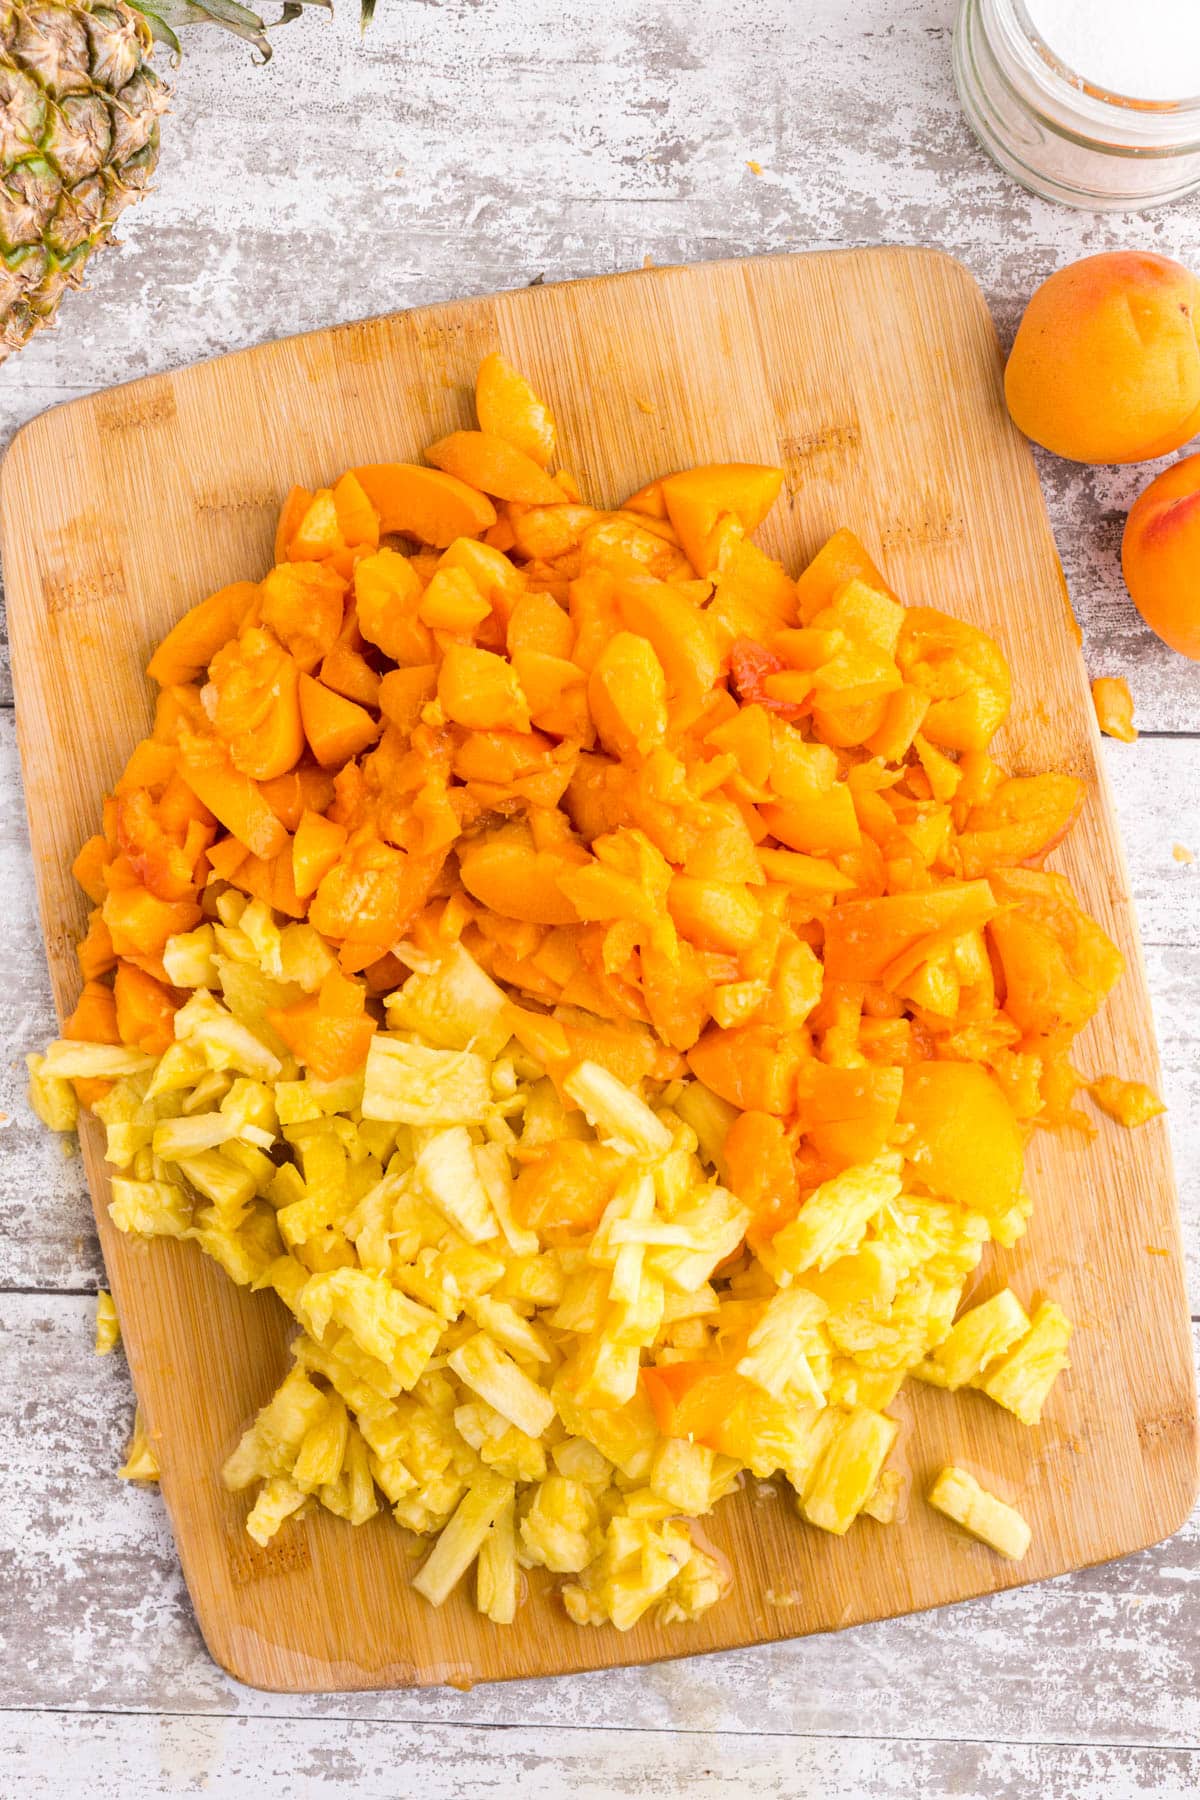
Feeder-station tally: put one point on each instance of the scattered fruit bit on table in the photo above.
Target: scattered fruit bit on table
(603, 986)
(108, 1331)
(994, 1523)
(141, 1463)
(1182, 854)
(1128, 1102)
(1114, 707)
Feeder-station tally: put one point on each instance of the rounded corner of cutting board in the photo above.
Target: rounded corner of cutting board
(235, 1653)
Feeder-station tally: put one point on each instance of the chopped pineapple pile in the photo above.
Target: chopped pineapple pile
(528, 1317)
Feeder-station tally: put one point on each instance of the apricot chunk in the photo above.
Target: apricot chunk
(481, 691)
(966, 1141)
(507, 407)
(254, 695)
(495, 466)
(964, 674)
(697, 499)
(387, 595)
(194, 640)
(503, 869)
(627, 696)
(302, 603)
(426, 504)
(336, 728)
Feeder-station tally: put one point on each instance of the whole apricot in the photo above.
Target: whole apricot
(1105, 367)
(1160, 556)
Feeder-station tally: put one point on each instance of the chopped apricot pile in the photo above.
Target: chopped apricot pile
(635, 768)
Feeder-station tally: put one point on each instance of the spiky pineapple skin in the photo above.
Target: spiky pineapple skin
(79, 111)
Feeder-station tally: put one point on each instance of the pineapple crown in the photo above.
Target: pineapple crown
(166, 18)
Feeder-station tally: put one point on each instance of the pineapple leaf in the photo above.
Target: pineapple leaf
(167, 17)
(160, 31)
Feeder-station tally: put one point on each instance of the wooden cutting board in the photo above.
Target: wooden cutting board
(874, 378)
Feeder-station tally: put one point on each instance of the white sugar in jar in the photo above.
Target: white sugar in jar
(1093, 102)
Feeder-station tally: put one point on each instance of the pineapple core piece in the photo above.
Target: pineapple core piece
(962, 1499)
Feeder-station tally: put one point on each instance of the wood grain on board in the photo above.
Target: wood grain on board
(873, 376)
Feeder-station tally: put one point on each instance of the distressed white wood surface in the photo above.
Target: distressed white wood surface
(470, 145)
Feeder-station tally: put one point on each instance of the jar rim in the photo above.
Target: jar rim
(1095, 101)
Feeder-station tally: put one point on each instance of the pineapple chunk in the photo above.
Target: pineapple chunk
(304, 957)
(497, 1578)
(644, 1561)
(462, 1539)
(266, 943)
(884, 1504)
(681, 1474)
(582, 1462)
(108, 1331)
(962, 1499)
(323, 1449)
(251, 995)
(1022, 1380)
(179, 1067)
(141, 1462)
(453, 1006)
(499, 1445)
(209, 1090)
(409, 1084)
(847, 1472)
(834, 1219)
(269, 1446)
(604, 1373)
(351, 1495)
(176, 1138)
(448, 1175)
(51, 1096)
(787, 1352)
(715, 1224)
(506, 1327)
(709, 1117)
(981, 1335)
(483, 1367)
(275, 1503)
(225, 1183)
(385, 1325)
(224, 1041)
(69, 1059)
(150, 1208)
(495, 1172)
(561, 1529)
(188, 958)
(616, 1112)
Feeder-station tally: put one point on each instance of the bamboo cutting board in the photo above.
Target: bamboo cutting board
(874, 378)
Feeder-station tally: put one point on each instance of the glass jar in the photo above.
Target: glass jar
(1060, 135)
